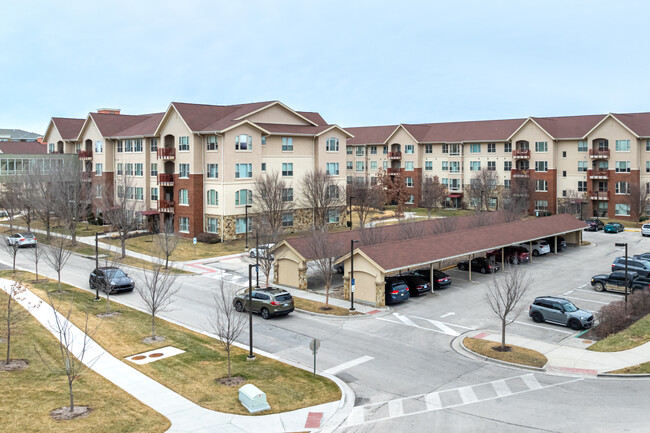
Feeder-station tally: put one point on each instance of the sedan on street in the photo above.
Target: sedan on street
(614, 228)
(110, 280)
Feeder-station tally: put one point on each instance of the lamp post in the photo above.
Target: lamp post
(257, 258)
(352, 241)
(250, 356)
(96, 263)
(350, 220)
(624, 244)
(246, 217)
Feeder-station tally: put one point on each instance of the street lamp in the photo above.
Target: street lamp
(352, 274)
(624, 244)
(246, 217)
(250, 356)
(350, 220)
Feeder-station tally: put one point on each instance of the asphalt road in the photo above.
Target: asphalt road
(401, 366)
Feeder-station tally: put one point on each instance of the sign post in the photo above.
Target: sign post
(314, 345)
(194, 242)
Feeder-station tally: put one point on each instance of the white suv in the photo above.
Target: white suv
(645, 230)
(539, 247)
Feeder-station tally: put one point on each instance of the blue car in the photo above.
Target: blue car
(614, 228)
(396, 291)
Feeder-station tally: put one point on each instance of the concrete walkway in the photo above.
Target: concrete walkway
(571, 355)
(185, 416)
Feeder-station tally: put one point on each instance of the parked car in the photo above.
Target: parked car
(594, 225)
(22, 240)
(514, 254)
(561, 311)
(263, 251)
(481, 263)
(615, 282)
(644, 256)
(440, 279)
(539, 247)
(339, 268)
(561, 243)
(268, 302)
(417, 285)
(645, 230)
(613, 228)
(110, 280)
(642, 267)
(396, 291)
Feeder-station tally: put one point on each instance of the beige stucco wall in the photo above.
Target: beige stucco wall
(287, 265)
(369, 281)
(612, 130)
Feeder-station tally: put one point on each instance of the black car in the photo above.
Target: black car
(396, 291)
(417, 285)
(479, 263)
(440, 279)
(110, 280)
(642, 267)
(594, 225)
(561, 243)
(615, 282)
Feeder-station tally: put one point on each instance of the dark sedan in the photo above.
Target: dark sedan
(479, 263)
(110, 280)
(417, 285)
(440, 279)
(614, 228)
(594, 225)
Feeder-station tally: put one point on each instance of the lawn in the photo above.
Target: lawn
(635, 335)
(516, 355)
(193, 373)
(317, 307)
(440, 212)
(29, 395)
(83, 228)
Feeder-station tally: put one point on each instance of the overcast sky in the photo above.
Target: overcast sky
(356, 62)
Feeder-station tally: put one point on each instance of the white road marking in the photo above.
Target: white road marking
(569, 292)
(356, 415)
(543, 327)
(501, 388)
(600, 293)
(471, 328)
(588, 300)
(405, 319)
(395, 408)
(448, 314)
(531, 382)
(468, 395)
(346, 365)
(445, 328)
(414, 325)
(433, 401)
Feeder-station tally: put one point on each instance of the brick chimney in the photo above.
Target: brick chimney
(108, 110)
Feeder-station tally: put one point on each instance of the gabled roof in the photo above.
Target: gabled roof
(370, 134)
(145, 127)
(110, 125)
(22, 147)
(639, 123)
(568, 127)
(460, 132)
(18, 134)
(204, 118)
(68, 128)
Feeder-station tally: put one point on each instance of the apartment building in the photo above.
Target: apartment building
(196, 164)
(599, 158)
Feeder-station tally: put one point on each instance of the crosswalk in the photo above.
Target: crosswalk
(451, 398)
(426, 324)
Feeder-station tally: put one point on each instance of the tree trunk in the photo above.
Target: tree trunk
(327, 295)
(503, 334)
(71, 395)
(8, 328)
(153, 326)
(47, 227)
(59, 277)
(123, 242)
(228, 352)
(14, 259)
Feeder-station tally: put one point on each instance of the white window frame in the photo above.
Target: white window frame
(184, 143)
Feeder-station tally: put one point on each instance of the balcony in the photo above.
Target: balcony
(599, 153)
(598, 195)
(599, 173)
(165, 206)
(394, 155)
(521, 153)
(86, 176)
(517, 172)
(393, 170)
(165, 179)
(166, 153)
(86, 155)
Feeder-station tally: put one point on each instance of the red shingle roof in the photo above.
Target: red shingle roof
(67, 127)
(22, 147)
(145, 127)
(370, 134)
(202, 117)
(569, 126)
(456, 132)
(637, 122)
(110, 125)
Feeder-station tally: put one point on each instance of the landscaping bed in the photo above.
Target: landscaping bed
(516, 354)
(319, 307)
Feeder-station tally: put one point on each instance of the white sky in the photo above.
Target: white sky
(356, 62)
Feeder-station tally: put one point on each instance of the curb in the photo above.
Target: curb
(334, 316)
(621, 375)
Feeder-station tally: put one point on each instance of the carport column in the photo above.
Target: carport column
(380, 293)
(276, 272)
(431, 276)
(530, 250)
(302, 275)
(555, 237)
(469, 267)
(580, 238)
(503, 259)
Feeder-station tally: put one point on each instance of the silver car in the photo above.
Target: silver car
(264, 251)
(645, 230)
(561, 311)
(22, 240)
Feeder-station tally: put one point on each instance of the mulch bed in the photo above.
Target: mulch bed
(230, 381)
(151, 340)
(64, 413)
(14, 365)
(109, 314)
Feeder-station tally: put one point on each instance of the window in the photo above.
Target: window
(622, 166)
(622, 145)
(445, 165)
(332, 168)
(647, 166)
(506, 184)
(507, 147)
(541, 185)
(564, 154)
(212, 225)
(454, 167)
(582, 186)
(622, 209)
(541, 146)
(287, 220)
(287, 144)
(243, 142)
(243, 197)
(333, 190)
(541, 205)
(428, 148)
(444, 181)
(128, 169)
(602, 144)
(409, 182)
(582, 146)
(263, 166)
(582, 166)
(98, 169)
(241, 226)
(475, 148)
(373, 165)
(410, 199)
(244, 171)
(99, 146)
(384, 165)
(129, 192)
(120, 191)
(120, 147)
(211, 143)
(331, 145)
(139, 193)
(385, 150)
(428, 165)
(349, 165)
(263, 140)
(348, 179)
(139, 169)
(409, 148)
(360, 166)
(212, 171)
(287, 194)
(184, 143)
(98, 191)
(492, 147)
(622, 188)
(154, 169)
(287, 169)
(445, 148)
(128, 145)
(475, 165)
(647, 145)
(212, 197)
(408, 166)
(153, 145)
(184, 171)
(360, 151)
(184, 224)
(563, 173)
(348, 150)
(154, 194)
(333, 216)
(507, 165)
(120, 168)
(541, 165)
(492, 165)
(138, 145)
(50, 147)
(373, 150)
(183, 197)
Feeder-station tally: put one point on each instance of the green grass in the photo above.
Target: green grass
(516, 355)
(637, 369)
(192, 373)
(635, 335)
(185, 249)
(435, 212)
(29, 395)
(318, 307)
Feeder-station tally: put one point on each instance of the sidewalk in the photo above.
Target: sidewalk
(184, 415)
(571, 356)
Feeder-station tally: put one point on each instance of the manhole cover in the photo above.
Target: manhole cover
(155, 355)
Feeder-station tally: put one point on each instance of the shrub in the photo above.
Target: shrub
(208, 238)
(615, 317)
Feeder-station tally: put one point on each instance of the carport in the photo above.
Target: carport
(373, 263)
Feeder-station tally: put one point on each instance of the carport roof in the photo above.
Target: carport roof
(402, 254)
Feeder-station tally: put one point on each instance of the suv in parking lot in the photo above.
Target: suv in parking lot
(396, 290)
(513, 254)
(645, 230)
(539, 247)
(440, 279)
(560, 310)
(268, 302)
(642, 267)
(480, 263)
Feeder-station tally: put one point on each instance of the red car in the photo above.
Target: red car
(514, 254)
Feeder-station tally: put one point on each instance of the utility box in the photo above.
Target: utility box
(253, 399)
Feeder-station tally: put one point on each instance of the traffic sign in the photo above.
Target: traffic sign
(314, 345)
(352, 285)
(194, 240)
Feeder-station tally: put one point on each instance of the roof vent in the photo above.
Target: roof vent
(108, 110)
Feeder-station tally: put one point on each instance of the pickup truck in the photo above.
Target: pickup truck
(615, 282)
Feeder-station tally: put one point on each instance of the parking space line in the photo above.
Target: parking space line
(447, 323)
(346, 365)
(531, 382)
(588, 300)
(395, 408)
(543, 327)
(599, 293)
(405, 319)
(446, 329)
(433, 401)
(413, 325)
(501, 388)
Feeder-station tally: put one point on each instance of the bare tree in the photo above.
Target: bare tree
(38, 253)
(42, 186)
(12, 314)
(273, 198)
(71, 195)
(410, 229)
(479, 219)
(483, 186)
(167, 240)
(157, 290)
(322, 194)
(503, 296)
(9, 199)
(445, 225)
(11, 246)
(517, 200)
(571, 203)
(367, 198)
(639, 196)
(119, 208)
(395, 190)
(57, 254)
(225, 321)
(324, 251)
(372, 235)
(266, 238)
(433, 192)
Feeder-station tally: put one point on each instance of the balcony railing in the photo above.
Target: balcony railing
(165, 206)
(394, 155)
(599, 173)
(166, 153)
(86, 176)
(517, 172)
(393, 170)
(598, 195)
(85, 154)
(598, 153)
(165, 179)
(521, 153)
